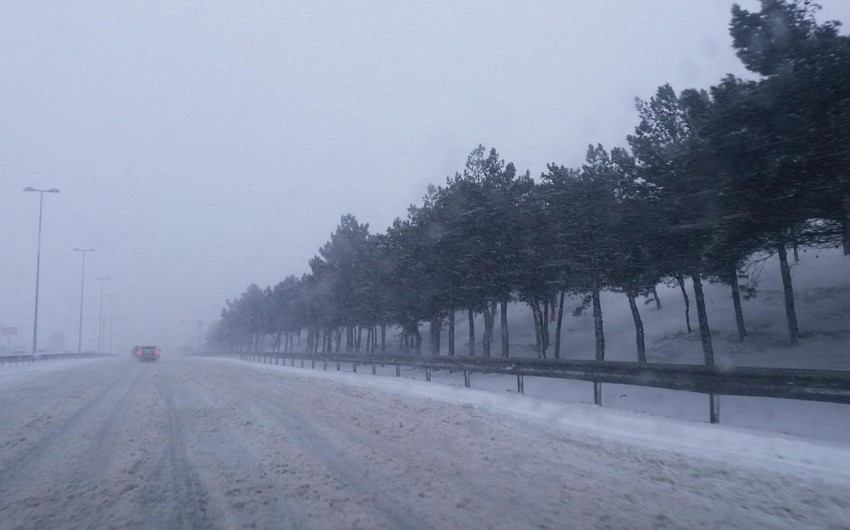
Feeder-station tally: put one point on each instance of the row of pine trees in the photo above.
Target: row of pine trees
(709, 180)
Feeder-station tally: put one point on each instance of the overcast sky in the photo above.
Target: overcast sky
(203, 146)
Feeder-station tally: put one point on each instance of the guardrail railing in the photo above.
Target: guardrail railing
(22, 358)
(832, 386)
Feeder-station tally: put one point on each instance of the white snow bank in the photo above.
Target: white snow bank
(735, 446)
(12, 374)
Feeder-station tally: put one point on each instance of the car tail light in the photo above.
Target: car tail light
(139, 353)
(156, 353)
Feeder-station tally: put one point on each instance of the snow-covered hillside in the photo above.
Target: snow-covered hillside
(822, 295)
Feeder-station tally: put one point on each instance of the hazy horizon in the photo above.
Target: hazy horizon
(200, 147)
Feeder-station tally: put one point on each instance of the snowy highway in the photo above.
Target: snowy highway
(205, 443)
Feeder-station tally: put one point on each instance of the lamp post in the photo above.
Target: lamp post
(100, 317)
(200, 324)
(38, 260)
(82, 286)
(111, 320)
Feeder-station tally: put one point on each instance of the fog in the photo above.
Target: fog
(200, 147)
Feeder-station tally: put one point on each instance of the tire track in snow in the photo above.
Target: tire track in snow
(383, 508)
(61, 468)
(175, 486)
(13, 463)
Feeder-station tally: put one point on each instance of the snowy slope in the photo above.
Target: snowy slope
(822, 294)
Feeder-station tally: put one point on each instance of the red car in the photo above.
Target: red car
(145, 353)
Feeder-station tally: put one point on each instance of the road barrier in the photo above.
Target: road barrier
(832, 386)
(24, 358)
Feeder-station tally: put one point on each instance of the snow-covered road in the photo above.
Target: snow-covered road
(201, 443)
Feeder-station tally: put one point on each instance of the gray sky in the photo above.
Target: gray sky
(203, 146)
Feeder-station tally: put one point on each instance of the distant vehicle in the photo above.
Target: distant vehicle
(145, 353)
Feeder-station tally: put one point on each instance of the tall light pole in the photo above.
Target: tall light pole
(82, 286)
(100, 318)
(200, 324)
(38, 261)
(111, 320)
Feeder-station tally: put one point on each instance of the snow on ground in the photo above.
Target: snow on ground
(740, 447)
(216, 443)
(822, 295)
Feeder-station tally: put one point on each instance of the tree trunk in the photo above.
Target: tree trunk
(656, 297)
(597, 325)
(489, 320)
(503, 321)
(702, 316)
(736, 300)
(383, 337)
(558, 326)
(639, 339)
(418, 337)
(680, 279)
(471, 333)
(788, 289)
(845, 232)
(452, 333)
(436, 329)
(535, 313)
(544, 328)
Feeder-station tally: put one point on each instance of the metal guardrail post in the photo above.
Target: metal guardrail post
(337, 366)
(714, 404)
(520, 384)
(466, 378)
(354, 367)
(428, 374)
(398, 370)
(374, 369)
(597, 393)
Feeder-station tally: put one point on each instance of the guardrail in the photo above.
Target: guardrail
(23, 358)
(832, 386)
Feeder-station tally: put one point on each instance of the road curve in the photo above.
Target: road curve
(197, 443)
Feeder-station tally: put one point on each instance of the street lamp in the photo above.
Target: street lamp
(38, 260)
(82, 285)
(100, 318)
(200, 324)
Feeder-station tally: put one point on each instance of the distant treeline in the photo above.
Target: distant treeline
(709, 179)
